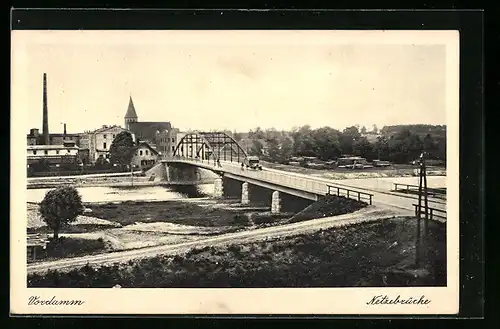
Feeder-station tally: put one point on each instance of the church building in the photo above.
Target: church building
(159, 135)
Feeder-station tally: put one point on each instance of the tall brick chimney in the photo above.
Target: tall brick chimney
(45, 128)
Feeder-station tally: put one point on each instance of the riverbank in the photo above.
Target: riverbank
(372, 254)
(138, 224)
(394, 171)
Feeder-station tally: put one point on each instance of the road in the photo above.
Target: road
(370, 213)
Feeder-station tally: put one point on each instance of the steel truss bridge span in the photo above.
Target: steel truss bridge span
(210, 146)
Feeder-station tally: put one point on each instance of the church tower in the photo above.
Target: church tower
(131, 115)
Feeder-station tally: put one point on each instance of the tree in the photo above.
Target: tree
(326, 143)
(303, 141)
(374, 129)
(382, 148)
(256, 148)
(237, 136)
(59, 207)
(347, 139)
(286, 150)
(363, 130)
(364, 148)
(273, 149)
(121, 149)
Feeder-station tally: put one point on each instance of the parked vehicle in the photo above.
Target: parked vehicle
(380, 163)
(429, 162)
(253, 162)
(352, 163)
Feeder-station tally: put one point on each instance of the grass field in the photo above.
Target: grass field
(67, 247)
(366, 254)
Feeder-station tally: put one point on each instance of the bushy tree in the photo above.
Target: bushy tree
(121, 149)
(326, 143)
(256, 148)
(286, 150)
(364, 148)
(60, 206)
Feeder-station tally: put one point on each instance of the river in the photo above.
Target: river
(119, 194)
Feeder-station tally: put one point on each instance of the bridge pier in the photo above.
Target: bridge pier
(218, 188)
(245, 194)
(276, 203)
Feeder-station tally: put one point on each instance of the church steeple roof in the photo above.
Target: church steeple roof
(131, 110)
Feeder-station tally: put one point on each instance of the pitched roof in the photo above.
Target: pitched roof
(131, 110)
(147, 130)
(106, 128)
(142, 144)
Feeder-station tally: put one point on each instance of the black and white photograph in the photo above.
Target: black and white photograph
(324, 161)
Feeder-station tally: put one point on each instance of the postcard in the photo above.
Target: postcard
(235, 172)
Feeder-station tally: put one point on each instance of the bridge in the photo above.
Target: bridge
(219, 153)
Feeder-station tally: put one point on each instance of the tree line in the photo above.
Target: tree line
(398, 144)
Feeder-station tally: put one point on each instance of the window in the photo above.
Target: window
(46, 152)
(104, 136)
(140, 152)
(69, 151)
(173, 148)
(147, 152)
(173, 140)
(107, 156)
(57, 151)
(113, 136)
(104, 145)
(34, 152)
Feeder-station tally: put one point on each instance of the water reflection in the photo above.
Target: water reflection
(132, 193)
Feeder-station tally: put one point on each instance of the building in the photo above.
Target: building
(53, 155)
(144, 156)
(160, 136)
(46, 138)
(35, 138)
(100, 140)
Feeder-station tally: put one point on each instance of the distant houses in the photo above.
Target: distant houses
(153, 140)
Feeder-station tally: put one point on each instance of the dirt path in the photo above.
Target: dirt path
(367, 214)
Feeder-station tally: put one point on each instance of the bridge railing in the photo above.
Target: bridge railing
(293, 182)
(410, 187)
(433, 212)
(290, 181)
(349, 193)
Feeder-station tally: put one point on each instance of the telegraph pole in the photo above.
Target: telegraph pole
(422, 192)
(131, 174)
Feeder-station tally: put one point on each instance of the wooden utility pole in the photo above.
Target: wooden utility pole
(131, 174)
(422, 192)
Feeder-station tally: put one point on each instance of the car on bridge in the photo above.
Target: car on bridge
(253, 162)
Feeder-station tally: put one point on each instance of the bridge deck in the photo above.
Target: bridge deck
(278, 179)
(311, 185)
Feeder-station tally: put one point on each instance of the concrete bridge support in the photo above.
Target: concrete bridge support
(245, 193)
(276, 203)
(218, 188)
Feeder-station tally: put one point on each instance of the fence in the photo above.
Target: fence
(342, 191)
(414, 188)
(433, 212)
(34, 242)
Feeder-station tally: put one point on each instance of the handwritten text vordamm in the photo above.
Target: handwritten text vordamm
(35, 300)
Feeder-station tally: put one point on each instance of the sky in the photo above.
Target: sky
(211, 80)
